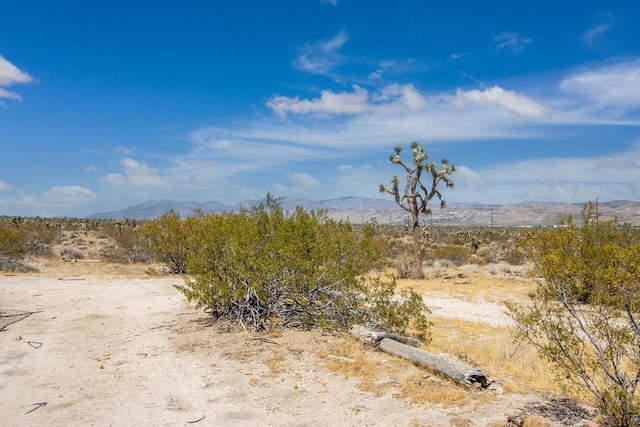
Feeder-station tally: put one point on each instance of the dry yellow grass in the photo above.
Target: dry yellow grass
(492, 283)
(369, 368)
(492, 349)
(379, 373)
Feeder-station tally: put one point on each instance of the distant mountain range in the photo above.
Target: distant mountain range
(385, 211)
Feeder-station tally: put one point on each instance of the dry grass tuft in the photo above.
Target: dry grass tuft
(536, 421)
(492, 349)
(425, 388)
(276, 365)
(372, 370)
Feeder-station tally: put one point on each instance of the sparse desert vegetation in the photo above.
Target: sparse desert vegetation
(471, 274)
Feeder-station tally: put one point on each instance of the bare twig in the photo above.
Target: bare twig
(196, 421)
(37, 406)
(265, 339)
(341, 359)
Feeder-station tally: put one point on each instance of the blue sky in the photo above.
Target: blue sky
(108, 104)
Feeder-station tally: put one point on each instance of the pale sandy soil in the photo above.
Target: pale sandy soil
(107, 347)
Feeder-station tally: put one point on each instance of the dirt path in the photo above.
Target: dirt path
(478, 311)
(114, 351)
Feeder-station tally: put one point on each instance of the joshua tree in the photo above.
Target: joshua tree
(416, 195)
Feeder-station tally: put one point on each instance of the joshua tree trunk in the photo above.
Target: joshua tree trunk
(417, 245)
(416, 195)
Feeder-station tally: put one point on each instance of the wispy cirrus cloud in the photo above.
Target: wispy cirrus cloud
(511, 42)
(5, 187)
(321, 57)
(383, 66)
(573, 179)
(615, 85)
(592, 36)
(595, 33)
(10, 75)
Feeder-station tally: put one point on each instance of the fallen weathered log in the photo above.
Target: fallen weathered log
(373, 337)
(459, 372)
(405, 347)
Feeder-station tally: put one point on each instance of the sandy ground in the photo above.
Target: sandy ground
(107, 350)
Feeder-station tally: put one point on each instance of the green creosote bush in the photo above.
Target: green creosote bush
(584, 317)
(171, 239)
(12, 244)
(128, 246)
(299, 271)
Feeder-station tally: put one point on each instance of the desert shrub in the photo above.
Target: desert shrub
(458, 255)
(512, 253)
(171, 239)
(17, 267)
(40, 236)
(301, 271)
(404, 266)
(12, 243)
(71, 253)
(128, 246)
(584, 315)
(36, 235)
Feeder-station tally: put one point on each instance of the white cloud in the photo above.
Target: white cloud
(375, 75)
(92, 168)
(333, 2)
(511, 42)
(329, 102)
(136, 174)
(591, 36)
(519, 104)
(57, 201)
(383, 66)
(10, 75)
(125, 151)
(5, 187)
(304, 180)
(321, 57)
(401, 95)
(467, 176)
(615, 85)
(391, 98)
(9, 95)
(68, 194)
